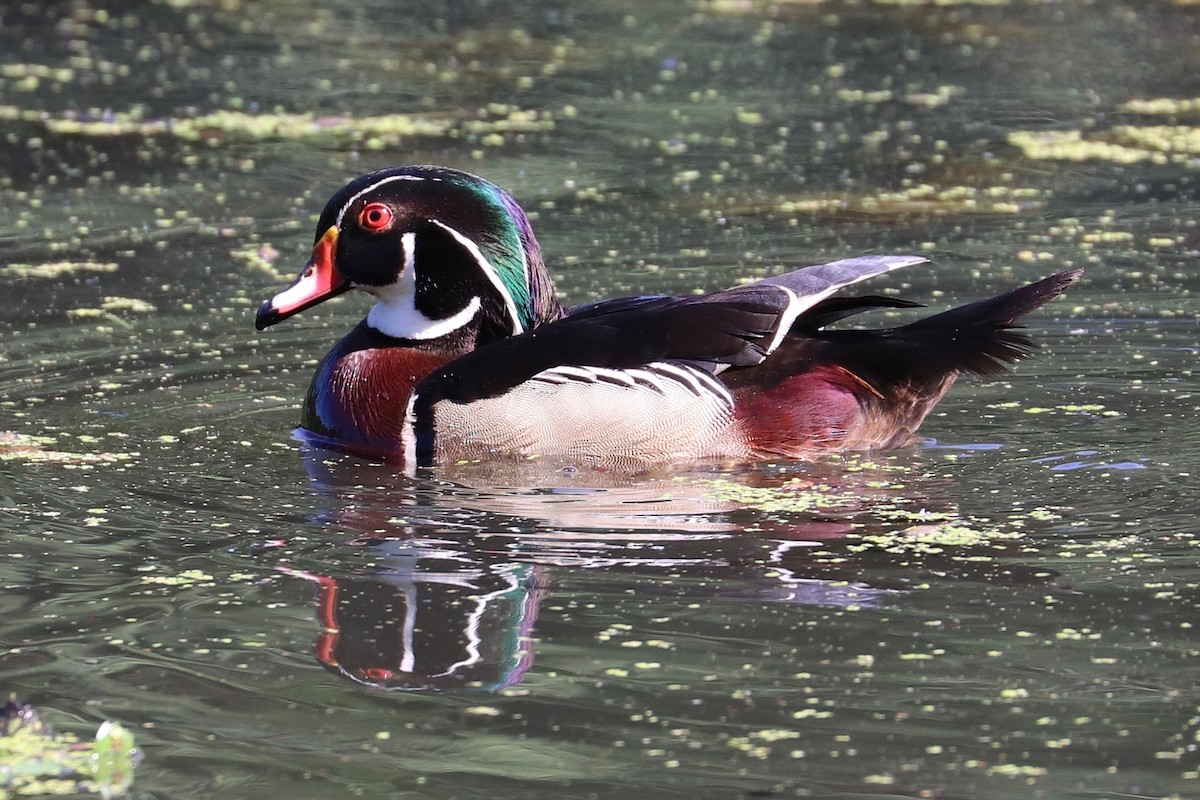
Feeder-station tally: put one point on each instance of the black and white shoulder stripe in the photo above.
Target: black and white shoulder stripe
(658, 376)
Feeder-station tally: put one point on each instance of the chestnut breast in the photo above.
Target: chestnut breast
(360, 393)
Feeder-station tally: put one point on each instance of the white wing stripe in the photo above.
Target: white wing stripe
(569, 373)
(789, 314)
(678, 374)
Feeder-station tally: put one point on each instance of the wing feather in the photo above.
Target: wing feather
(700, 335)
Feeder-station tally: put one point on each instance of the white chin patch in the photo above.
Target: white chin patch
(395, 313)
(400, 319)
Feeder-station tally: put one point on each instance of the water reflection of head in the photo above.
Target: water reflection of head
(433, 617)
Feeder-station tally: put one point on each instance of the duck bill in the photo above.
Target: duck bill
(319, 281)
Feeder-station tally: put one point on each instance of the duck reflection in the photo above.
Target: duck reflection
(444, 613)
(453, 573)
(432, 617)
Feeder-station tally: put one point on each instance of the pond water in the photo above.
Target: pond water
(1007, 611)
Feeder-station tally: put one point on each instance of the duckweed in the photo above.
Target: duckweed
(925, 199)
(794, 496)
(191, 577)
(55, 270)
(35, 761)
(1123, 144)
(220, 126)
(22, 448)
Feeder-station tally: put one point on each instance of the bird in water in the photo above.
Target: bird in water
(467, 354)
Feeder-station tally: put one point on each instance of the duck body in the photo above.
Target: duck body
(468, 355)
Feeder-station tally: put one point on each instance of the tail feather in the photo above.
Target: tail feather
(853, 389)
(923, 356)
(983, 337)
(836, 308)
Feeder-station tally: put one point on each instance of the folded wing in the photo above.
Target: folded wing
(622, 378)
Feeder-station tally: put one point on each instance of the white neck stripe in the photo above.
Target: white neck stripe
(490, 271)
(396, 314)
(399, 318)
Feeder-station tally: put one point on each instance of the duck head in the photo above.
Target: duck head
(442, 251)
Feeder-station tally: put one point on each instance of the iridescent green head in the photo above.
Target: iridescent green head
(440, 249)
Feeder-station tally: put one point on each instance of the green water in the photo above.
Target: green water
(1008, 611)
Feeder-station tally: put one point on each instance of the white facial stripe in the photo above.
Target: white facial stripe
(490, 271)
(524, 267)
(408, 243)
(372, 188)
(395, 313)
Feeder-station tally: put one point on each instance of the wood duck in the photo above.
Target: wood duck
(468, 355)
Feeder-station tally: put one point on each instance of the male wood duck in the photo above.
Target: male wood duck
(468, 355)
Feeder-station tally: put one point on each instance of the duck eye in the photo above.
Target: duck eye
(375, 216)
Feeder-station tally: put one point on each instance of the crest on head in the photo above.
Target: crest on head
(439, 238)
(441, 250)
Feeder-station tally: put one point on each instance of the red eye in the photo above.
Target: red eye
(375, 216)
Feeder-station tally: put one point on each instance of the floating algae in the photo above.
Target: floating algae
(132, 304)
(55, 270)
(1122, 144)
(934, 538)
(35, 450)
(35, 761)
(220, 126)
(860, 484)
(794, 496)
(1162, 106)
(189, 578)
(923, 199)
(110, 308)
(261, 257)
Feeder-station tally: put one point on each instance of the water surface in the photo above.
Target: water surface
(1005, 612)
